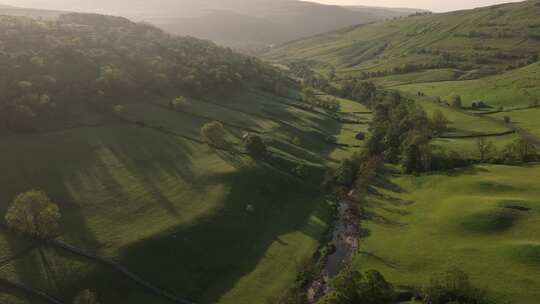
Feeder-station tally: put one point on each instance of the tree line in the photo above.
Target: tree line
(46, 66)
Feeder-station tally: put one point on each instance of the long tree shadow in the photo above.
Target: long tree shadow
(205, 259)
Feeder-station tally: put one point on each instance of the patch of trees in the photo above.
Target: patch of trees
(328, 103)
(521, 150)
(47, 65)
(357, 172)
(453, 286)
(351, 287)
(401, 131)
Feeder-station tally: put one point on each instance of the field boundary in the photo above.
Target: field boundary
(157, 291)
(29, 290)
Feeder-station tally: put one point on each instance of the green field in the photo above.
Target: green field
(525, 119)
(427, 76)
(461, 123)
(171, 210)
(483, 219)
(516, 88)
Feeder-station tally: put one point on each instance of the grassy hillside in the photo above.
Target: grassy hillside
(137, 194)
(132, 176)
(517, 88)
(479, 41)
(483, 219)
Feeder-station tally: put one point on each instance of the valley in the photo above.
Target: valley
(391, 159)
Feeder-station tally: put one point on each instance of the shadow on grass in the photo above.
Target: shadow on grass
(204, 260)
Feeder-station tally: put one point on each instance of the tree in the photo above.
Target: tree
(178, 103)
(256, 147)
(484, 148)
(214, 133)
(351, 287)
(456, 102)
(524, 148)
(439, 122)
(34, 214)
(417, 157)
(453, 286)
(86, 297)
(308, 95)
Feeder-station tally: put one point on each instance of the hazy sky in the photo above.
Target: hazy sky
(433, 5)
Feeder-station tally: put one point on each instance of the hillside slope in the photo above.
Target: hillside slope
(484, 40)
(237, 23)
(87, 116)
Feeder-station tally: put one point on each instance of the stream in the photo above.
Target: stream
(345, 242)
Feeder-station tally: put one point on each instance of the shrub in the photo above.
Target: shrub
(256, 147)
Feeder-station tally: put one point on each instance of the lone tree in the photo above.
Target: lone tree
(440, 122)
(484, 148)
(455, 101)
(34, 214)
(86, 297)
(525, 149)
(256, 147)
(214, 133)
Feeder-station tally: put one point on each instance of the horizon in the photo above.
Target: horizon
(434, 6)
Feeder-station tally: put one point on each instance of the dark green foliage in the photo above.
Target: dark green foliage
(360, 91)
(521, 150)
(256, 147)
(34, 214)
(214, 133)
(455, 101)
(46, 66)
(453, 286)
(439, 122)
(351, 287)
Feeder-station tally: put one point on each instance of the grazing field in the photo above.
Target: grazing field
(526, 119)
(517, 88)
(427, 76)
(467, 147)
(204, 224)
(483, 219)
(462, 123)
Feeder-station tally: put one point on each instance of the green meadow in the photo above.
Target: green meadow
(517, 88)
(483, 219)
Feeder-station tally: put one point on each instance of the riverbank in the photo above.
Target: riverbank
(343, 246)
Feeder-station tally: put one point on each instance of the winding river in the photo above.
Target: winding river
(345, 244)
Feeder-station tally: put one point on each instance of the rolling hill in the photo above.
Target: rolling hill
(87, 115)
(475, 42)
(237, 23)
